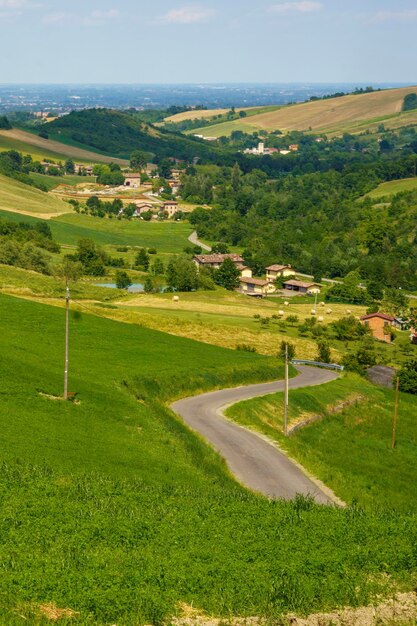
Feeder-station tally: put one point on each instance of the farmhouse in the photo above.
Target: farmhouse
(278, 271)
(85, 170)
(144, 207)
(215, 260)
(256, 287)
(380, 325)
(301, 287)
(170, 207)
(132, 180)
(245, 272)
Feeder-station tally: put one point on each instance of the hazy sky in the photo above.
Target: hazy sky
(139, 41)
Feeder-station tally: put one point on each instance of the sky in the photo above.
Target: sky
(208, 41)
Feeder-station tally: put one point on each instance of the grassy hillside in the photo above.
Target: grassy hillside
(39, 148)
(352, 113)
(113, 512)
(166, 237)
(350, 447)
(393, 187)
(18, 197)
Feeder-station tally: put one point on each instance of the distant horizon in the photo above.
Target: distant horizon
(387, 84)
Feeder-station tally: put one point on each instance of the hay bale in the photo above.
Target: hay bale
(313, 311)
(176, 299)
(329, 311)
(280, 313)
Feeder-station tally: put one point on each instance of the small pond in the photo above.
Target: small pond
(134, 288)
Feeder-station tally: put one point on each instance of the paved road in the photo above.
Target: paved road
(257, 464)
(193, 238)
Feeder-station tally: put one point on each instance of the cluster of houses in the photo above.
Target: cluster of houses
(133, 180)
(261, 149)
(169, 208)
(258, 287)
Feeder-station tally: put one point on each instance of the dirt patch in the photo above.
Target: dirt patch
(53, 613)
(401, 609)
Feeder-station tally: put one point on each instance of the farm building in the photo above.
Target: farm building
(278, 271)
(215, 260)
(301, 287)
(256, 287)
(380, 325)
(170, 207)
(85, 170)
(245, 272)
(144, 207)
(132, 180)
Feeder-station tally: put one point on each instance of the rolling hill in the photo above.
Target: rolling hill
(203, 114)
(20, 198)
(351, 113)
(39, 148)
(118, 134)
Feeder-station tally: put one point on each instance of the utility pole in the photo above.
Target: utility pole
(394, 421)
(286, 392)
(67, 303)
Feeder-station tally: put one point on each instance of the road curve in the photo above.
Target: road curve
(193, 238)
(257, 464)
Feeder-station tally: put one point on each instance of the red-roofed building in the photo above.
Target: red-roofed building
(380, 325)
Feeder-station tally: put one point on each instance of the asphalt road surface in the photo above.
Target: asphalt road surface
(193, 238)
(255, 462)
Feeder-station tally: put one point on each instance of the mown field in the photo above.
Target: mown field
(393, 187)
(352, 113)
(20, 198)
(113, 512)
(40, 148)
(54, 181)
(208, 113)
(349, 449)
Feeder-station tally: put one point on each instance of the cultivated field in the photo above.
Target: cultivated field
(207, 114)
(20, 198)
(352, 113)
(40, 148)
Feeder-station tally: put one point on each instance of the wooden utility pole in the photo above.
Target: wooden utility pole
(394, 421)
(286, 392)
(67, 303)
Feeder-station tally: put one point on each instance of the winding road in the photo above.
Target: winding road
(193, 238)
(255, 462)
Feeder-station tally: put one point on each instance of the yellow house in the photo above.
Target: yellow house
(256, 287)
(278, 271)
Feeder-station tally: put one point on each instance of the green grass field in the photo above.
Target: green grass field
(53, 181)
(112, 509)
(168, 237)
(350, 448)
(16, 197)
(393, 187)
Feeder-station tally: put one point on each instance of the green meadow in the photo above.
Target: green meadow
(51, 182)
(349, 448)
(16, 196)
(113, 509)
(168, 237)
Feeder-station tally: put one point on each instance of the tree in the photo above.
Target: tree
(348, 329)
(142, 259)
(69, 270)
(323, 354)
(286, 345)
(408, 377)
(138, 160)
(181, 274)
(149, 286)
(69, 166)
(92, 257)
(220, 248)
(157, 268)
(227, 275)
(122, 279)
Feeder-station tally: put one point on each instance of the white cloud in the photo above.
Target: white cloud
(187, 15)
(291, 8)
(57, 18)
(386, 16)
(99, 17)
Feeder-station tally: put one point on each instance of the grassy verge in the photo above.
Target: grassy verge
(350, 447)
(114, 510)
